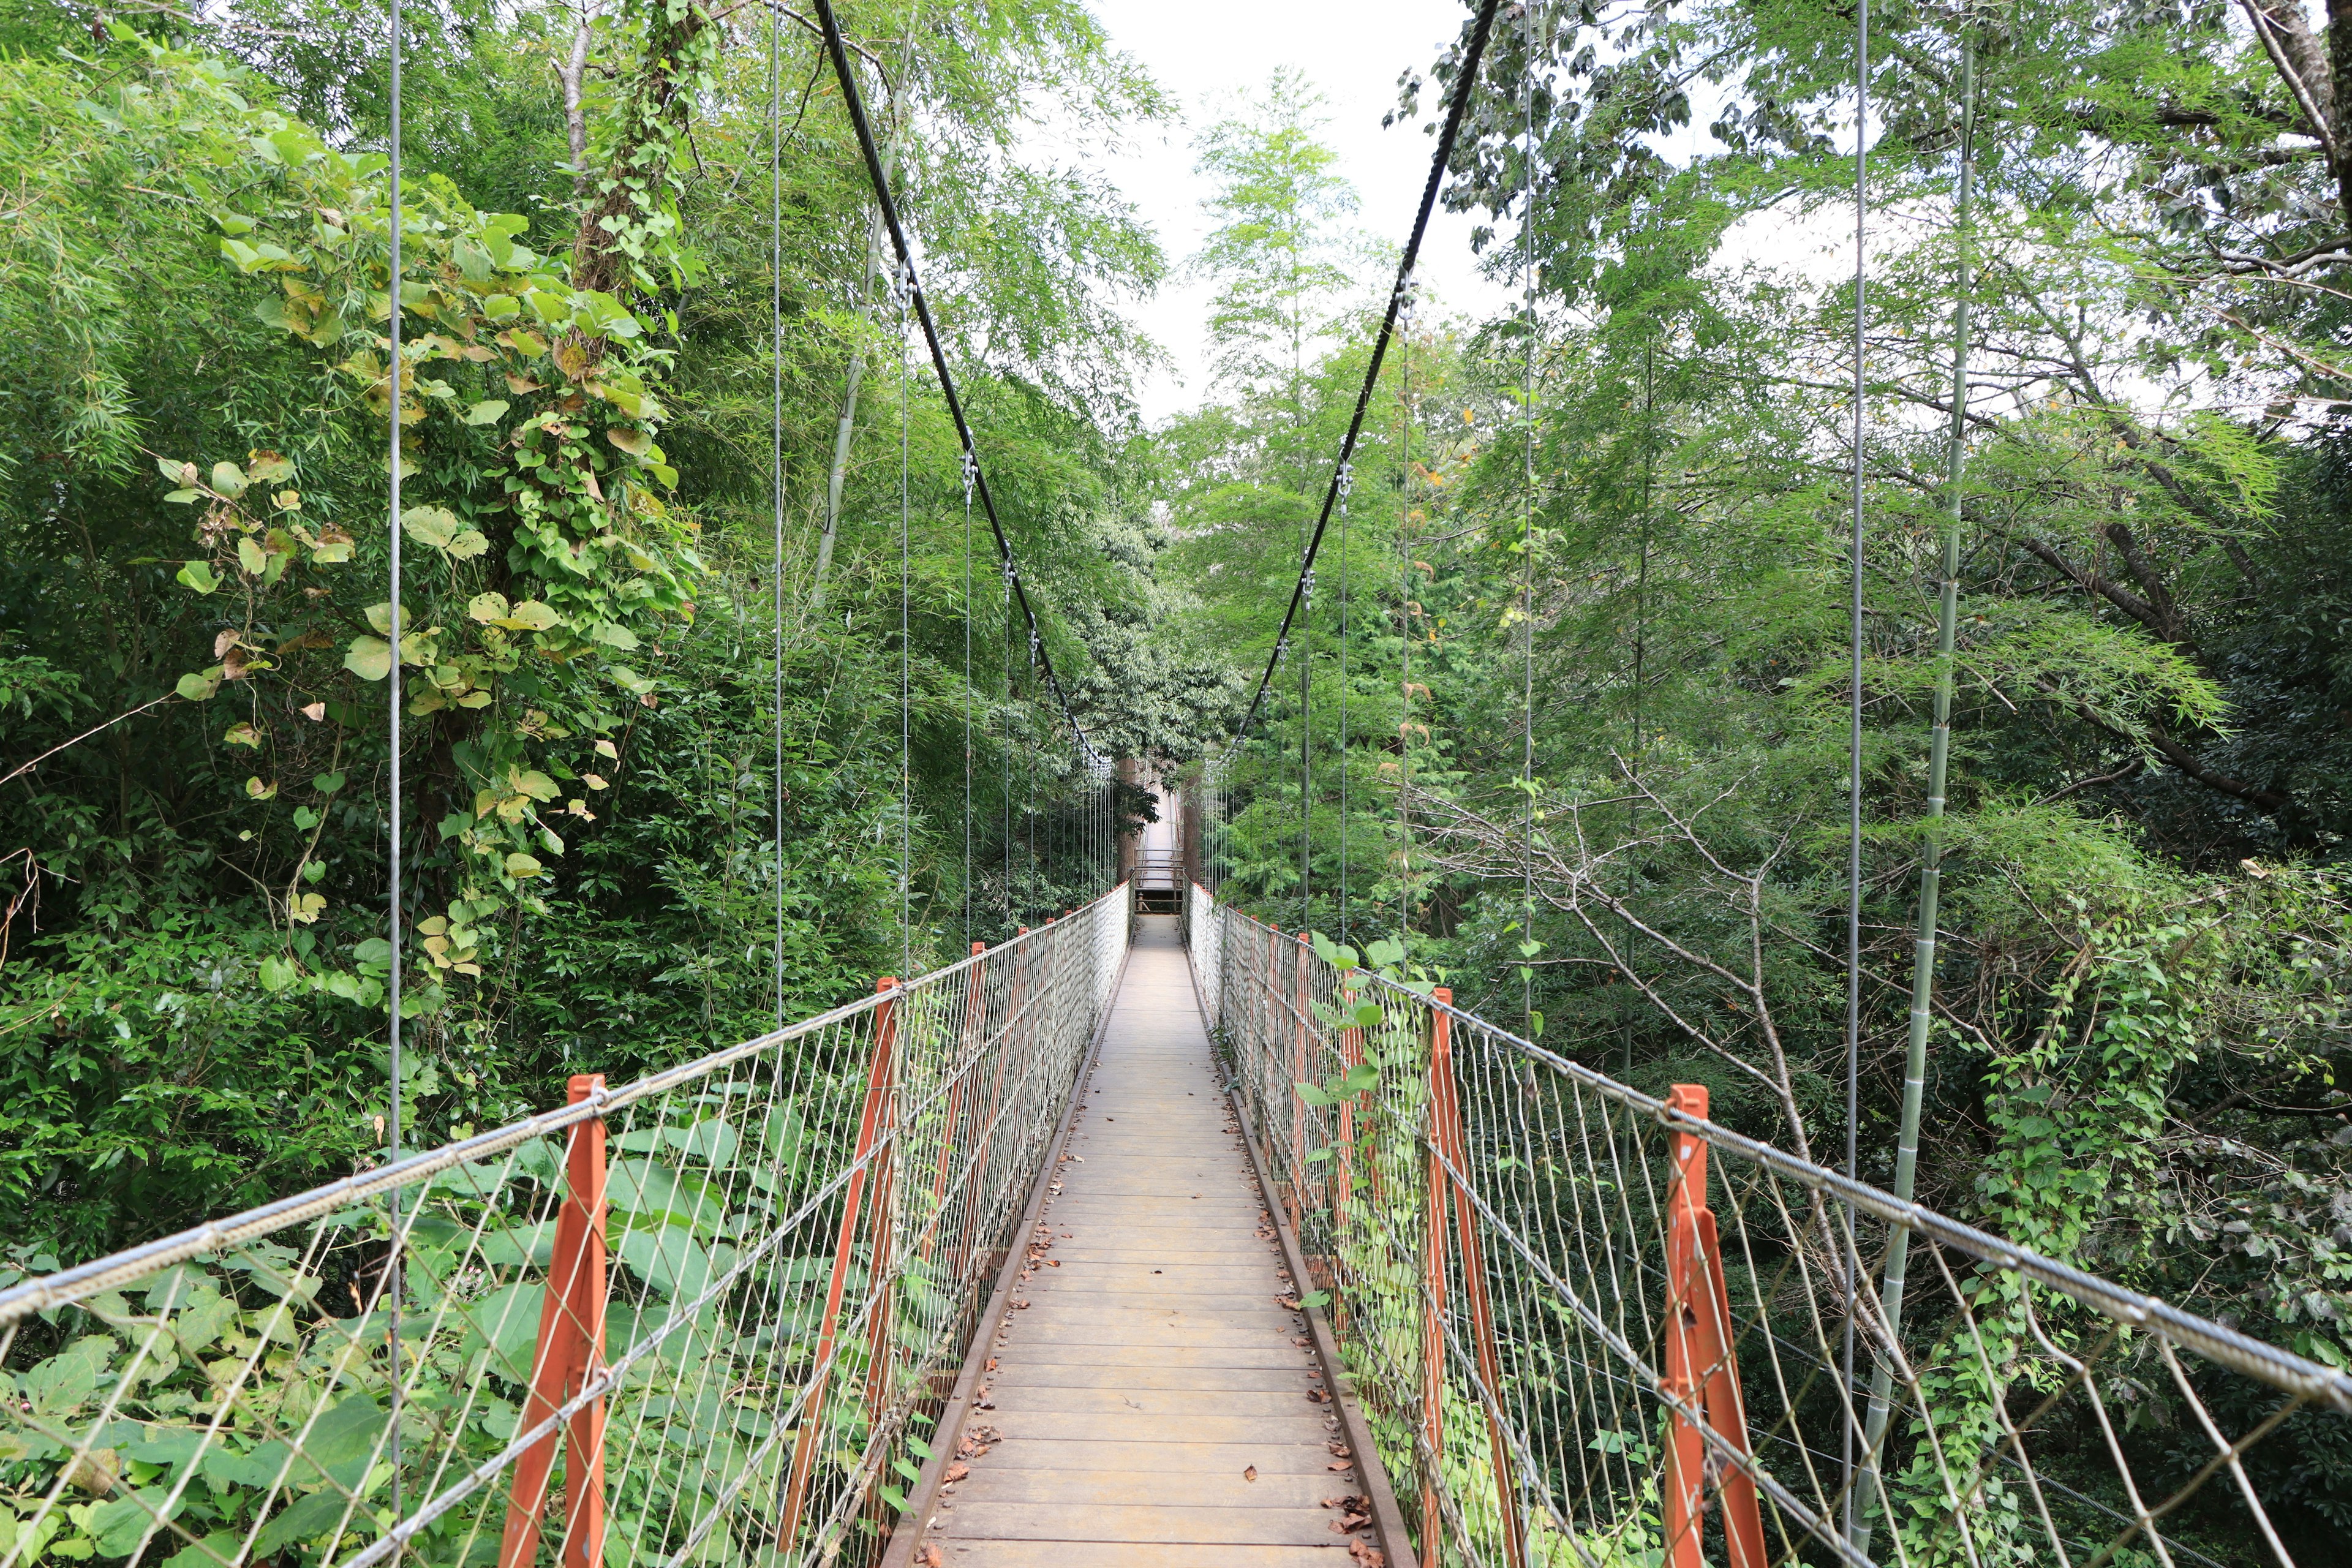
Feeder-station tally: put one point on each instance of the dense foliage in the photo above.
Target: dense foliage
(1577, 674)
(1565, 724)
(652, 795)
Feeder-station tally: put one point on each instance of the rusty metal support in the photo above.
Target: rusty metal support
(968, 1042)
(570, 1350)
(1701, 1372)
(1300, 1057)
(873, 1121)
(1433, 1331)
(1446, 1134)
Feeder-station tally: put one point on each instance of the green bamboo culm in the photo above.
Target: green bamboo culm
(1939, 749)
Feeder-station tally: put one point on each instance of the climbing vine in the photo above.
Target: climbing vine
(547, 556)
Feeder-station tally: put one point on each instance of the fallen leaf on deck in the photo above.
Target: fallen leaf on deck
(1250, 1474)
(956, 1472)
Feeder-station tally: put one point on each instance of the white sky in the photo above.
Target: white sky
(1204, 51)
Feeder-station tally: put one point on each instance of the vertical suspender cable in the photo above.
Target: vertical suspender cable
(1853, 733)
(906, 655)
(1528, 534)
(1404, 629)
(1004, 760)
(967, 700)
(776, 447)
(1306, 745)
(1306, 755)
(391, 1281)
(1344, 606)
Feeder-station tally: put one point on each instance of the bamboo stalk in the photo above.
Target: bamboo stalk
(1923, 943)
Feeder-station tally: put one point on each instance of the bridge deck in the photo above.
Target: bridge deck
(1148, 1402)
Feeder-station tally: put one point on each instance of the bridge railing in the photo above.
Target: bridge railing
(702, 1318)
(1590, 1327)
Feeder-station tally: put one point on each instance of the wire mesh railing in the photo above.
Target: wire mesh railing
(703, 1317)
(1590, 1327)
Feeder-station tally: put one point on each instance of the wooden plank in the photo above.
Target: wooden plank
(1063, 1425)
(1171, 1358)
(1294, 1380)
(1072, 1554)
(1268, 1459)
(1146, 1371)
(1123, 1274)
(1151, 1403)
(1174, 1526)
(1131, 1488)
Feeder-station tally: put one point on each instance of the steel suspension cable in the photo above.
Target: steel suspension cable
(1465, 84)
(854, 103)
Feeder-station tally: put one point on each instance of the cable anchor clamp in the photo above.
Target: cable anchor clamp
(1408, 291)
(970, 474)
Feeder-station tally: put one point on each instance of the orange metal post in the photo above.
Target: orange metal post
(1270, 980)
(996, 1101)
(973, 994)
(1445, 1126)
(1700, 1369)
(1301, 1067)
(871, 1123)
(570, 1351)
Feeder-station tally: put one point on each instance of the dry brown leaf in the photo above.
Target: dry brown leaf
(930, 1557)
(955, 1473)
(1250, 1474)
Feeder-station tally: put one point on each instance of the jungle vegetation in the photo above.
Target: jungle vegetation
(1575, 675)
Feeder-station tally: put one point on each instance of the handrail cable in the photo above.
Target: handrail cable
(855, 104)
(1466, 82)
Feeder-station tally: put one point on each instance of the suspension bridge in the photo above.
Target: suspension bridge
(1154, 1234)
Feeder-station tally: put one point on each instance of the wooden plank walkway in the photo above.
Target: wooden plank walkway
(1148, 1402)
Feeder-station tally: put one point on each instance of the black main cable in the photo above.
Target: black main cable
(835, 46)
(1465, 85)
